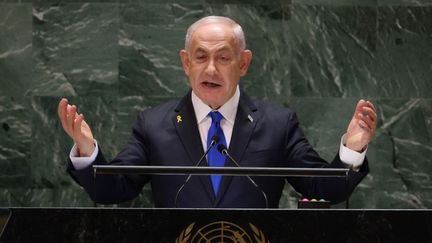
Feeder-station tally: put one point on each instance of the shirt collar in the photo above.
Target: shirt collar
(228, 110)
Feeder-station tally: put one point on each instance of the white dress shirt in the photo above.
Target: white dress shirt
(351, 158)
(228, 111)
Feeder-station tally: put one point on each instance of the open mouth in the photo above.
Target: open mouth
(210, 84)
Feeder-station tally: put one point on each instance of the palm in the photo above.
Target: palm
(362, 127)
(84, 134)
(75, 126)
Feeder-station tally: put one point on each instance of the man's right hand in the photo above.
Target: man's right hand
(75, 126)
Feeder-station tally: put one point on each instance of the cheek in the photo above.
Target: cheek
(192, 77)
(196, 71)
(232, 77)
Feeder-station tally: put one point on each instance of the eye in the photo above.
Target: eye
(201, 57)
(224, 58)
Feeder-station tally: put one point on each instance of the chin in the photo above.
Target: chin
(212, 103)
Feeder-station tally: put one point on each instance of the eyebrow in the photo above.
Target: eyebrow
(202, 49)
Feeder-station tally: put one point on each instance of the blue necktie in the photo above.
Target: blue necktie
(214, 157)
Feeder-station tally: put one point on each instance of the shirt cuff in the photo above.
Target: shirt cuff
(82, 162)
(351, 157)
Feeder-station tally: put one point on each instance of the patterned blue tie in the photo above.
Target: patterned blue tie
(214, 157)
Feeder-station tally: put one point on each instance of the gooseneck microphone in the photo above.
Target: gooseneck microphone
(223, 150)
(214, 140)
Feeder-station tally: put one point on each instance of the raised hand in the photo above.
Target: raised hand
(362, 127)
(76, 127)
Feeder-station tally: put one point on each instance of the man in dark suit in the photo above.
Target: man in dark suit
(256, 133)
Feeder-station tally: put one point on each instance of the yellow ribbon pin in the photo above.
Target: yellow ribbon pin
(179, 119)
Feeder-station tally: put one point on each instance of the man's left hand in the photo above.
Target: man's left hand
(362, 127)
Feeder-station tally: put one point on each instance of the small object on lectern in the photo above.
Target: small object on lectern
(313, 203)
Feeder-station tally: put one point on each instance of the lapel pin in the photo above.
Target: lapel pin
(179, 119)
(250, 118)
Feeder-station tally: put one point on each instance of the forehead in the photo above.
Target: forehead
(213, 35)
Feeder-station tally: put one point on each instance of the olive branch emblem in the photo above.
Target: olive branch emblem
(258, 234)
(185, 234)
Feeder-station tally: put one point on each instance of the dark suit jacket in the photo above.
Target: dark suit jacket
(272, 139)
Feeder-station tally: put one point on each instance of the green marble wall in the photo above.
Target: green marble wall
(115, 58)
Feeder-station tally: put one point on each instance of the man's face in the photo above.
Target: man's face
(214, 65)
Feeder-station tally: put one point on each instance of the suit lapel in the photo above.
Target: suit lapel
(244, 125)
(185, 122)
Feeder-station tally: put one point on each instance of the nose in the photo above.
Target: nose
(210, 69)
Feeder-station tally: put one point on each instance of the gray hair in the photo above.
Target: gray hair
(239, 37)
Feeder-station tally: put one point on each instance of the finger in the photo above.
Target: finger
(61, 106)
(364, 102)
(370, 123)
(370, 104)
(360, 103)
(369, 112)
(365, 126)
(77, 125)
(71, 114)
(359, 106)
(366, 122)
(62, 110)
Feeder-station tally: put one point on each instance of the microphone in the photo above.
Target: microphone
(223, 150)
(214, 140)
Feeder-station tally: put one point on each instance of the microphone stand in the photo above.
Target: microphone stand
(224, 151)
(214, 141)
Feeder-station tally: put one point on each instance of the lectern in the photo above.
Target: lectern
(215, 225)
(102, 225)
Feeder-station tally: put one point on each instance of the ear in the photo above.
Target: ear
(246, 58)
(184, 57)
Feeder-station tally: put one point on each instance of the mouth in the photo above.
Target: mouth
(209, 84)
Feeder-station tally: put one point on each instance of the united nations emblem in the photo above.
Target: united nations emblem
(221, 231)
